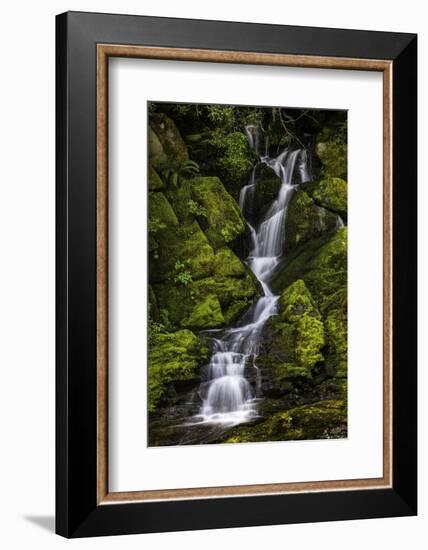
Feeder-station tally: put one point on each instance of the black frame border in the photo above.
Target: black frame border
(77, 512)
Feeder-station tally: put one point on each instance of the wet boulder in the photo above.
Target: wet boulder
(330, 193)
(332, 151)
(223, 222)
(305, 221)
(209, 302)
(168, 137)
(174, 358)
(322, 264)
(184, 253)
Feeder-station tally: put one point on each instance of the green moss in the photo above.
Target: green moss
(322, 264)
(328, 269)
(331, 193)
(281, 343)
(336, 324)
(169, 137)
(224, 222)
(322, 420)
(186, 244)
(155, 182)
(299, 308)
(332, 150)
(213, 301)
(306, 221)
(173, 357)
(160, 209)
(295, 301)
(206, 313)
(294, 341)
(309, 341)
(227, 264)
(234, 293)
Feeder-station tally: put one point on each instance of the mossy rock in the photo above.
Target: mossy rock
(155, 182)
(179, 197)
(292, 342)
(157, 155)
(223, 222)
(173, 358)
(305, 221)
(331, 193)
(235, 294)
(169, 137)
(322, 420)
(205, 314)
(184, 245)
(227, 264)
(298, 307)
(332, 151)
(322, 264)
(160, 209)
(336, 324)
(295, 301)
(210, 302)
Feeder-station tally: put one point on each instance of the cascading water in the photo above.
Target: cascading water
(228, 396)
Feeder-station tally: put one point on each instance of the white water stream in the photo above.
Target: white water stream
(228, 396)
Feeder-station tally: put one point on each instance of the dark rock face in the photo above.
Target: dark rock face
(266, 190)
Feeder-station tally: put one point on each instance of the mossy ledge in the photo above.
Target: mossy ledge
(174, 358)
(323, 420)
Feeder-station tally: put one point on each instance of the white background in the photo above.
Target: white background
(132, 82)
(27, 274)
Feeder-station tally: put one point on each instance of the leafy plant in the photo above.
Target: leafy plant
(182, 275)
(155, 225)
(173, 175)
(197, 209)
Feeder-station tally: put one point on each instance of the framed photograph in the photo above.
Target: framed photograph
(236, 274)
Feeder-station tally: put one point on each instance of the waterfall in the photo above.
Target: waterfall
(228, 397)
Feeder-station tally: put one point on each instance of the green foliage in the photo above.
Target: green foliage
(182, 275)
(234, 160)
(155, 225)
(196, 209)
(222, 116)
(174, 173)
